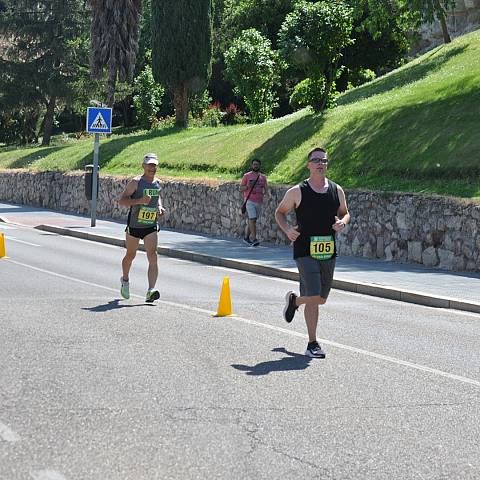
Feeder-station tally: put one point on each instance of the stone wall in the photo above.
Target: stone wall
(430, 230)
(464, 18)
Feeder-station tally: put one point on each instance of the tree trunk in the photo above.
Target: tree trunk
(441, 14)
(180, 102)
(328, 87)
(112, 81)
(48, 121)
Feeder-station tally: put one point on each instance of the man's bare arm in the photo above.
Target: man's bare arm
(290, 201)
(125, 199)
(343, 216)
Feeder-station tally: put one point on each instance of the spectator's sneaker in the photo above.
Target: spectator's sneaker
(290, 306)
(247, 241)
(314, 350)
(125, 288)
(255, 243)
(152, 295)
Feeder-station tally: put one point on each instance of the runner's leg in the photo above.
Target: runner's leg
(150, 242)
(131, 244)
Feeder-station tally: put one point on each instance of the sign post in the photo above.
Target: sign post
(99, 120)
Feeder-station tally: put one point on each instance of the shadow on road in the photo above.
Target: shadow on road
(114, 305)
(294, 361)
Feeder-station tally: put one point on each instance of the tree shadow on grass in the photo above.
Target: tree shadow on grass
(117, 145)
(27, 160)
(293, 361)
(434, 61)
(420, 141)
(278, 147)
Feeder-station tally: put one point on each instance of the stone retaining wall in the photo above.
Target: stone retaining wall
(464, 18)
(429, 230)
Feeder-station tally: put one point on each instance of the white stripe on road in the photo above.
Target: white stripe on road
(8, 434)
(47, 475)
(360, 351)
(23, 241)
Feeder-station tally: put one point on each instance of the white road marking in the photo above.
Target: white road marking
(6, 227)
(88, 241)
(8, 434)
(47, 475)
(14, 239)
(341, 346)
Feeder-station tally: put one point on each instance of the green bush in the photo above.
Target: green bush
(310, 92)
(254, 68)
(148, 97)
(199, 103)
(359, 77)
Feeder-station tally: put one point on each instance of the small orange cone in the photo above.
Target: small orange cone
(3, 253)
(225, 303)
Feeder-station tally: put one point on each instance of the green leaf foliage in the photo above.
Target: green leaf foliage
(254, 68)
(148, 97)
(182, 42)
(313, 37)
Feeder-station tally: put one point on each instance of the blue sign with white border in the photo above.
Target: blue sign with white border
(99, 120)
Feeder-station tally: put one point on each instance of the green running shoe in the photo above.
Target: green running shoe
(152, 295)
(125, 288)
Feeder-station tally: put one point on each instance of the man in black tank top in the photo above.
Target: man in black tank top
(321, 211)
(142, 195)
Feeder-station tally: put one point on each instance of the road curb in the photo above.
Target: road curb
(373, 290)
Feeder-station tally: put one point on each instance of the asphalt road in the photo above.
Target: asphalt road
(97, 388)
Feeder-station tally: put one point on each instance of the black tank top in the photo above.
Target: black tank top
(315, 216)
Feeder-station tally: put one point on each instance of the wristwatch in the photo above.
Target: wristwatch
(343, 223)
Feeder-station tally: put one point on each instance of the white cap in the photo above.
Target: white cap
(150, 158)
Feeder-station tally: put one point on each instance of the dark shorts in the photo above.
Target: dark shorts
(316, 276)
(141, 233)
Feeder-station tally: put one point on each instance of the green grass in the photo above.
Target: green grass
(416, 129)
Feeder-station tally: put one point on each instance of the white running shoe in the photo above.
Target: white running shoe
(125, 288)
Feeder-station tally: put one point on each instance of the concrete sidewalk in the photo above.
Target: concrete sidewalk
(404, 282)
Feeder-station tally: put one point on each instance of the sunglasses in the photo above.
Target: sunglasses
(319, 160)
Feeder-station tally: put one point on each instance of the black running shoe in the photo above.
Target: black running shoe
(314, 350)
(255, 243)
(290, 306)
(247, 241)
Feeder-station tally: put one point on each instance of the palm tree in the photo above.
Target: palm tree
(115, 35)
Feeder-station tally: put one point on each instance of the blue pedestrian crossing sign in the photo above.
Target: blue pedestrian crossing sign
(99, 120)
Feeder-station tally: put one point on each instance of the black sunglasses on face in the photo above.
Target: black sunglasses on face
(318, 160)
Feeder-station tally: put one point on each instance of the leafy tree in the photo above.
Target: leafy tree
(266, 16)
(253, 67)
(313, 37)
(41, 60)
(381, 37)
(182, 49)
(115, 39)
(148, 97)
(429, 10)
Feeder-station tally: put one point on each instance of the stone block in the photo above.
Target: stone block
(430, 257)
(415, 251)
(445, 259)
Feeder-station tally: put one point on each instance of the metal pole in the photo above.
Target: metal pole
(96, 147)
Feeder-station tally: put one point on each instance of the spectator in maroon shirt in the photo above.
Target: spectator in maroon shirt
(254, 187)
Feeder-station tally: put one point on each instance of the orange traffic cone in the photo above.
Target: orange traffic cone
(225, 303)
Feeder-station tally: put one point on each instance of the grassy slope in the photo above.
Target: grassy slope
(416, 129)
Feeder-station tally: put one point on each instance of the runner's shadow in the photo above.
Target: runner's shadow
(294, 361)
(113, 305)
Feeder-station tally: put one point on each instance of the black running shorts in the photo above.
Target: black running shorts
(141, 233)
